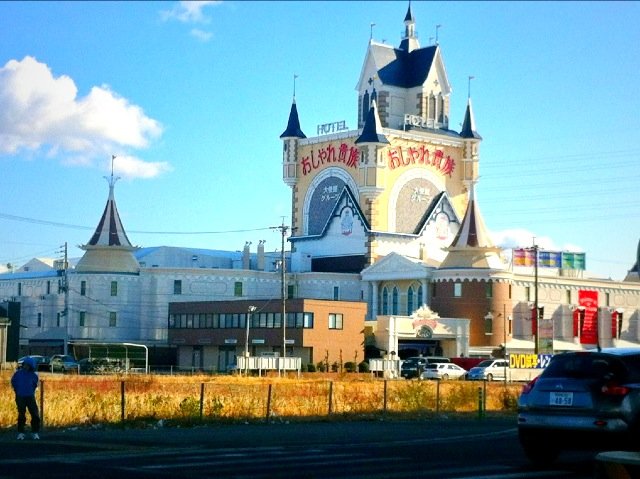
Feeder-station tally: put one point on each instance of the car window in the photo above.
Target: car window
(485, 364)
(587, 366)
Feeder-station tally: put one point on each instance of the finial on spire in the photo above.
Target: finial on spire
(371, 33)
(294, 85)
(111, 180)
(437, 28)
(469, 86)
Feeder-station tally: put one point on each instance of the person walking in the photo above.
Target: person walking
(24, 382)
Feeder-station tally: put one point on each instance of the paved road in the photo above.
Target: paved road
(439, 448)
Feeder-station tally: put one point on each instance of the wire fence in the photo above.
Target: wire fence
(73, 400)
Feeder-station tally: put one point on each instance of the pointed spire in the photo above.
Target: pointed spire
(473, 232)
(372, 129)
(410, 39)
(472, 247)
(293, 125)
(110, 231)
(109, 249)
(469, 124)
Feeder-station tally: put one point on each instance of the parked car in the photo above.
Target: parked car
(488, 370)
(63, 363)
(414, 366)
(582, 400)
(101, 366)
(42, 362)
(443, 371)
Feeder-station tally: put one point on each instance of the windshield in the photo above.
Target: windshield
(485, 364)
(592, 366)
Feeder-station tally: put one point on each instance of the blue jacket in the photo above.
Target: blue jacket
(24, 382)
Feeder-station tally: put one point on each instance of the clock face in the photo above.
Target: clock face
(323, 200)
(414, 199)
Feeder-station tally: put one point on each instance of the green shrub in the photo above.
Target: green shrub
(350, 367)
(311, 368)
(363, 367)
(320, 366)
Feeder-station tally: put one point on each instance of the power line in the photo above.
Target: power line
(72, 226)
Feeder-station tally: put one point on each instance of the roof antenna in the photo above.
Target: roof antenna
(469, 86)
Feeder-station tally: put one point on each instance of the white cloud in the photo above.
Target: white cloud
(521, 238)
(132, 167)
(201, 35)
(189, 11)
(41, 112)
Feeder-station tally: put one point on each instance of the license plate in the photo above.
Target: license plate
(561, 399)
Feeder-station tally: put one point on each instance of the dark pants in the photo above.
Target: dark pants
(24, 403)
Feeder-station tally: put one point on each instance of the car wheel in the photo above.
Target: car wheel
(538, 447)
(445, 376)
(489, 377)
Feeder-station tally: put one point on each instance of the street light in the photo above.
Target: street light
(246, 342)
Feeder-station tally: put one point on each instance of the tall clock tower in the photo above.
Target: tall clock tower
(396, 184)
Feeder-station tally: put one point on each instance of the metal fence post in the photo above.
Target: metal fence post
(437, 395)
(122, 402)
(384, 400)
(330, 398)
(201, 400)
(42, 404)
(269, 403)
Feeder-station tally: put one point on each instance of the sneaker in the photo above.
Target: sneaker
(35, 436)
(21, 436)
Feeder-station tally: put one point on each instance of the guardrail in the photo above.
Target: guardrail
(268, 363)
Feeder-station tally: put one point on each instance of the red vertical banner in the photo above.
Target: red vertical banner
(576, 322)
(589, 300)
(534, 322)
(614, 325)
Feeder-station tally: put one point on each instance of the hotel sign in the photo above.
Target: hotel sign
(334, 127)
(415, 120)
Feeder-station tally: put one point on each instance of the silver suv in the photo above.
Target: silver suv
(582, 400)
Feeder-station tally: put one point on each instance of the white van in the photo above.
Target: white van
(489, 369)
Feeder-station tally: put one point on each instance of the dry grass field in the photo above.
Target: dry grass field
(147, 400)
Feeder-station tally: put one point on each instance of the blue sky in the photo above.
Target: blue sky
(192, 98)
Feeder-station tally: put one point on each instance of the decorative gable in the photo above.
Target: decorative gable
(394, 266)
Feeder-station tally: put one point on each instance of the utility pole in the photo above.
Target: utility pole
(283, 230)
(535, 299)
(65, 289)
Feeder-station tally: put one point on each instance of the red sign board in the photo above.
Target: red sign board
(588, 323)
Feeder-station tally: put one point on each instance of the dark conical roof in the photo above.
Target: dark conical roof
(109, 249)
(293, 125)
(110, 231)
(372, 128)
(469, 124)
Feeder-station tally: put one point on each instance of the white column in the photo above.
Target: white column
(374, 302)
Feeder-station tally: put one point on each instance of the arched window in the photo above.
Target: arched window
(432, 107)
(410, 306)
(440, 108)
(420, 296)
(365, 105)
(394, 301)
(385, 301)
